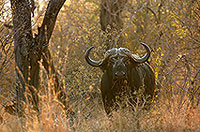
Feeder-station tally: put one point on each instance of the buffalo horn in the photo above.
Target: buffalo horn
(145, 57)
(90, 61)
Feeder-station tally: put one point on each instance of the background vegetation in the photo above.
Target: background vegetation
(171, 28)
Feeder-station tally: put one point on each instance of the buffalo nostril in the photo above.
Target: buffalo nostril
(120, 74)
(123, 73)
(116, 74)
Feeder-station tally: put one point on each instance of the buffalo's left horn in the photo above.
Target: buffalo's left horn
(145, 57)
(90, 61)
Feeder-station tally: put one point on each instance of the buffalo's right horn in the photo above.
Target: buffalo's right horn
(145, 57)
(90, 61)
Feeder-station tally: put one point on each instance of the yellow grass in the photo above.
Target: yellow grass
(164, 116)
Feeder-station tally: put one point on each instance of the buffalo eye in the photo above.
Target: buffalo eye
(112, 60)
(126, 61)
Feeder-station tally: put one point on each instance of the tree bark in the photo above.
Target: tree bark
(30, 50)
(22, 40)
(111, 22)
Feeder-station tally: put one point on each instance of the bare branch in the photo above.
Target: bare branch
(49, 20)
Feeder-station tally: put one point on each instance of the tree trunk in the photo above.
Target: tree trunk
(111, 22)
(22, 41)
(30, 50)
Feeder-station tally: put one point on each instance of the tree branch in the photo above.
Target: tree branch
(42, 39)
(49, 21)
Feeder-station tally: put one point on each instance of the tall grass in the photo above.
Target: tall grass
(175, 59)
(164, 116)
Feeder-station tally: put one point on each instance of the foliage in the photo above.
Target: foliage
(172, 30)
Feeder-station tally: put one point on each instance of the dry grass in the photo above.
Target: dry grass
(165, 116)
(175, 58)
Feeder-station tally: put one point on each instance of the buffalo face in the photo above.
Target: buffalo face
(118, 67)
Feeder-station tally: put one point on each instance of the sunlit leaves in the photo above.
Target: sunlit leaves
(157, 61)
(181, 30)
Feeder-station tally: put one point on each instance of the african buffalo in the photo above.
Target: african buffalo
(124, 74)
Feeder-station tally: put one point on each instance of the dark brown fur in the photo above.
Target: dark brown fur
(124, 75)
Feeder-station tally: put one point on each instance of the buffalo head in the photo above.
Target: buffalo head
(117, 61)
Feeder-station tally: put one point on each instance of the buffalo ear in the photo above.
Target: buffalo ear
(104, 66)
(134, 64)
